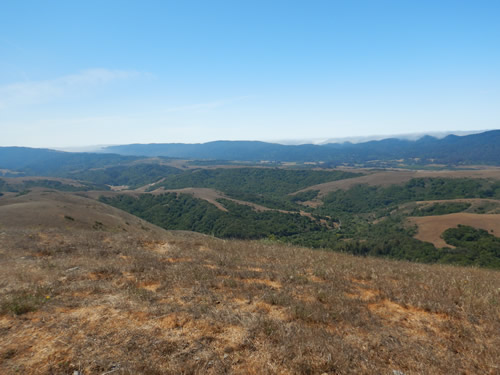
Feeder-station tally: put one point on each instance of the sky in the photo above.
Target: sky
(77, 73)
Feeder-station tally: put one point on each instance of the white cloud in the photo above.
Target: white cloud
(23, 93)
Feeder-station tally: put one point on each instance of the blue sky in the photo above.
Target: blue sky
(113, 72)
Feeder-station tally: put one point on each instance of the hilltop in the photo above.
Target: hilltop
(76, 297)
(50, 209)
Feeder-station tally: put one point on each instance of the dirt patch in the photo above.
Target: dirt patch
(272, 311)
(162, 248)
(152, 286)
(430, 228)
(417, 322)
(254, 269)
(269, 283)
(315, 279)
(363, 294)
(177, 260)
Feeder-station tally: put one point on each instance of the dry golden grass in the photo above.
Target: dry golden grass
(430, 228)
(53, 209)
(148, 301)
(179, 302)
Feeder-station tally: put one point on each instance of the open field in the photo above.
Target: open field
(430, 228)
(155, 302)
(391, 177)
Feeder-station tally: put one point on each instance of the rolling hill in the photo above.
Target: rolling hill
(44, 210)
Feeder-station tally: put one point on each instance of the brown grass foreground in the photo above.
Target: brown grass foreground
(126, 297)
(186, 303)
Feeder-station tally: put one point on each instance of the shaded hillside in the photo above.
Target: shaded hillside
(470, 149)
(74, 298)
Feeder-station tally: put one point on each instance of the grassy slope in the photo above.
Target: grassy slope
(54, 209)
(156, 302)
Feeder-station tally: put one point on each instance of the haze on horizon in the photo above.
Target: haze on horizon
(74, 74)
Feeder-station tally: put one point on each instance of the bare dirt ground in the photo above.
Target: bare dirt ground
(430, 228)
(391, 177)
(158, 302)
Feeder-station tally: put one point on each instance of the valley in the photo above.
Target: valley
(394, 213)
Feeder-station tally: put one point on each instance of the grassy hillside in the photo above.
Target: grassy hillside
(78, 298)
(61, 210)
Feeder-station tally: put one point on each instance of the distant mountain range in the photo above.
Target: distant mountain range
(482, 148)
